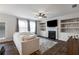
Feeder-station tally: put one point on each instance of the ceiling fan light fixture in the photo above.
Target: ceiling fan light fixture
(41, 14)
(40, 17)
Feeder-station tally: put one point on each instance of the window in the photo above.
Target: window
(2, 29)
(23, 26)
(32, 26)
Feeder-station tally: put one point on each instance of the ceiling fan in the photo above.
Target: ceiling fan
(41, 15)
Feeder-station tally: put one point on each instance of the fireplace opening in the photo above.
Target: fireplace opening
(52, 35)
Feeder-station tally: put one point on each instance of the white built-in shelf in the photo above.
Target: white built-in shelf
(70, 25)
(42, 26)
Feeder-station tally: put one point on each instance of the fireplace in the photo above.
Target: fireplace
(52, 35)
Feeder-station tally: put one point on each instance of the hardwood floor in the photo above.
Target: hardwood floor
(58, 49)
(10, 48)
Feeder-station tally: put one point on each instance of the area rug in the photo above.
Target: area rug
(46, 44)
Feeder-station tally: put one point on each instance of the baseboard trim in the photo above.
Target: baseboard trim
(46, 37)
(43, 37)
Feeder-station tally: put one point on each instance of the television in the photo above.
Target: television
(52, 23)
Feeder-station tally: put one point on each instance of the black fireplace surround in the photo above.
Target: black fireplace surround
(52, 35)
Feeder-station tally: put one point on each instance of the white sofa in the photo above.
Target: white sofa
(26, 43)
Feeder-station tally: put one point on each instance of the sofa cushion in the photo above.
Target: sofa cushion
(26, 33)
(28, 37)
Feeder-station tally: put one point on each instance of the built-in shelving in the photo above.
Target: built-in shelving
(42, 26)
(70, 25)
(70, 28)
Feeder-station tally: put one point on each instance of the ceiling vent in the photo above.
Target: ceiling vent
(74, 5)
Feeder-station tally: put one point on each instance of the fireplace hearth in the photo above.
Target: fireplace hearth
(52, 35)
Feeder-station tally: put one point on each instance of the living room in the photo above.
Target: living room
(38, 29)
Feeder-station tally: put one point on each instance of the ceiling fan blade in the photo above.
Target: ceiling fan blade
(43, 15)
(40, 14)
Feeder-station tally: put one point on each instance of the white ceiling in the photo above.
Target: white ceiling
(29, 10)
